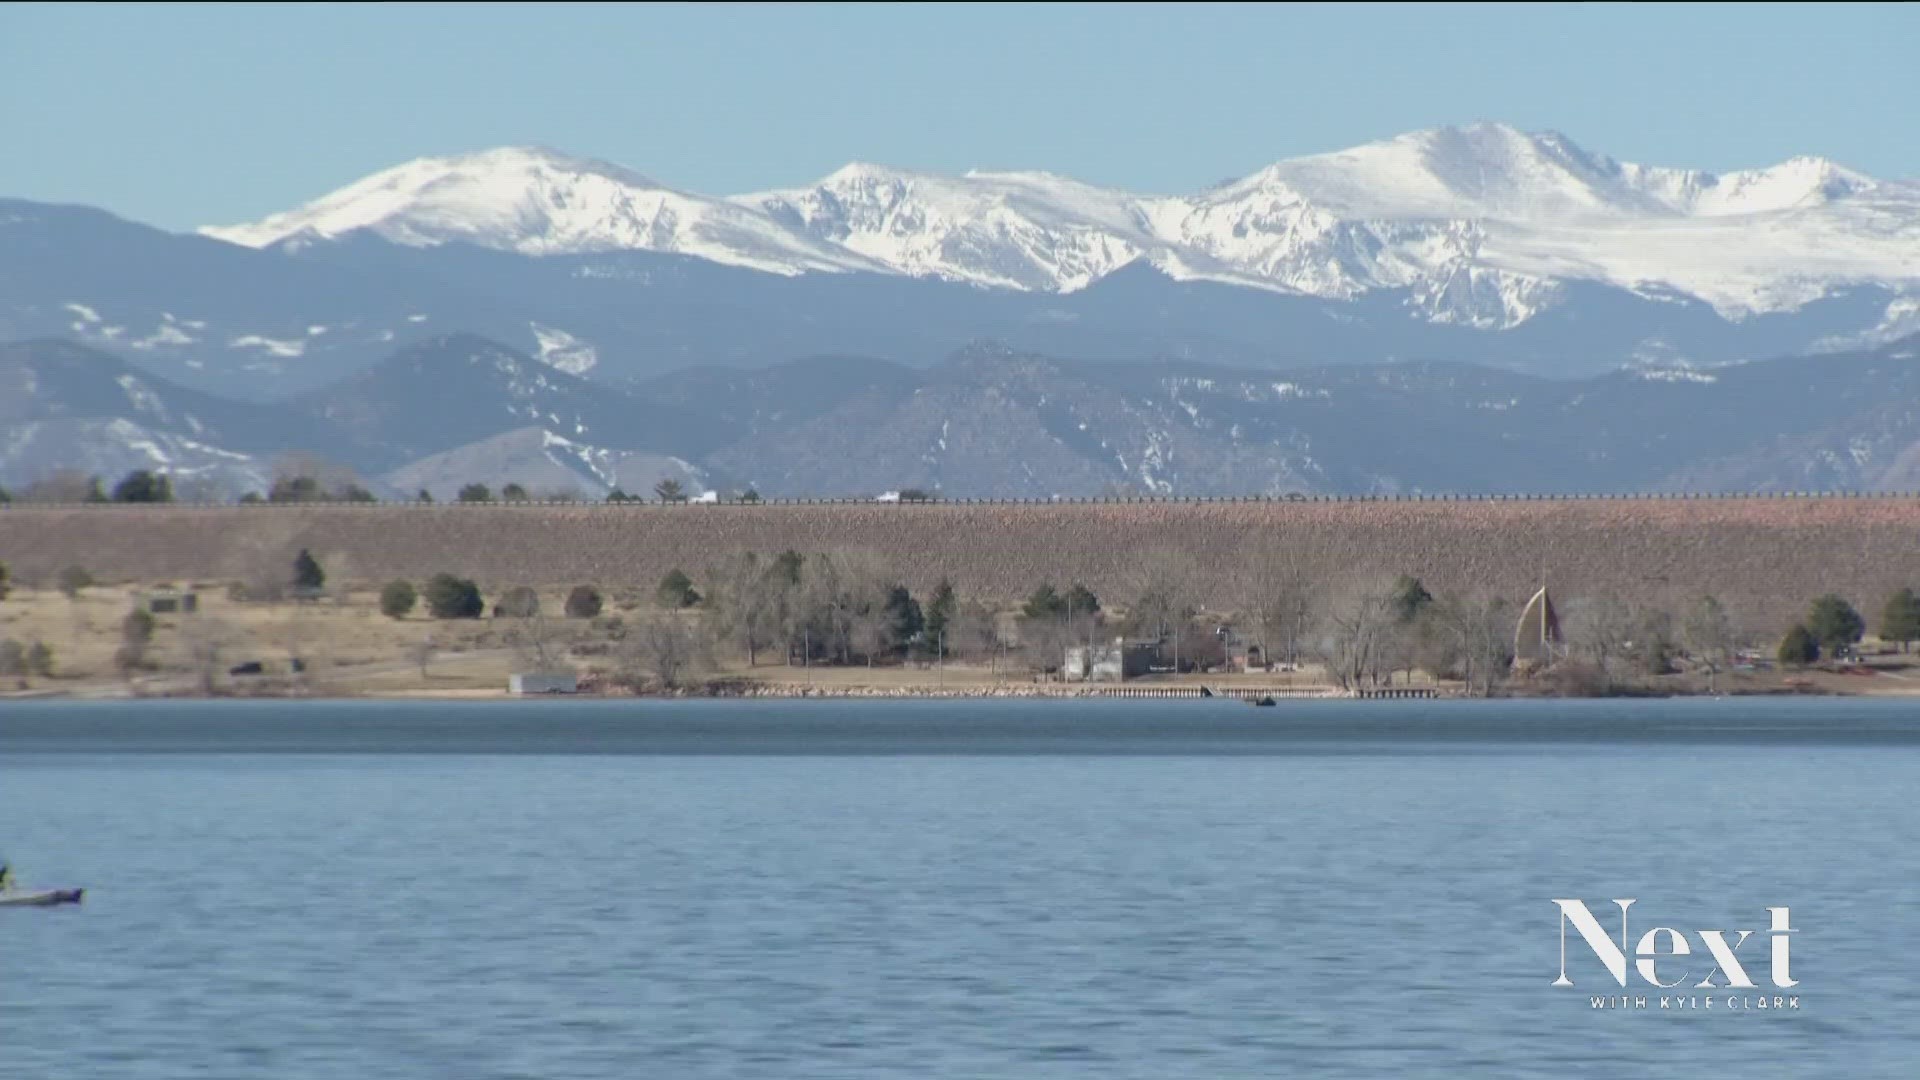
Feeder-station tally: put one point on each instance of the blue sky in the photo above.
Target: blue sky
(183, 115)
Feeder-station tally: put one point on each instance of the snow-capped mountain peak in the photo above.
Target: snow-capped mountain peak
(1481, 223)
(1000, 230)
(538, 202)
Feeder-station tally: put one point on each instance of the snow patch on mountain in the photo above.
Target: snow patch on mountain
(116, 446)
(1900, 319)
(168, 334)
(564, 352)
(285, 348)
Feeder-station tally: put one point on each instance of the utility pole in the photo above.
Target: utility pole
(1069, 636)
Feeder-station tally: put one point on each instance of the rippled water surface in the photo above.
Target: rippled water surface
(927, 889)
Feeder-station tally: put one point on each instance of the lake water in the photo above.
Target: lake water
(929, 889)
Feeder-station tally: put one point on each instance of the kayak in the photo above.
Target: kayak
(39, 897)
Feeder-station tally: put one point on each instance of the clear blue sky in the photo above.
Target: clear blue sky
(184, 115)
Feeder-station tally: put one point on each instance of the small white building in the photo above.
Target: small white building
(543, 682)
(1109, 662)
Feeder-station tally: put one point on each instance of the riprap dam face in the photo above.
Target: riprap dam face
(1764, 558)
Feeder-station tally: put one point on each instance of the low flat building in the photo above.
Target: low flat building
(543, 682)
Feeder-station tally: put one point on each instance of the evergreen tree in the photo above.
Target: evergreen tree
(519, 602)
(904, 617)
(307, 574)
(143, 486)
(1081, 601)
(1901, 620)
(425, 496)
(73, 579)
(294, 489)
(397, 599)
(676, 590)
(1408, 598)
(1798, 648)
(583, 602)
(473, 493)
(750, 496)
(1044, 602)
(1834, 624)
(787, 565)
(450, 597)
(669, 490)
(513, 493)
(940, 609)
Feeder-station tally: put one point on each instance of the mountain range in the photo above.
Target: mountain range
(1482, 224)
(989, 421)
(520, 313)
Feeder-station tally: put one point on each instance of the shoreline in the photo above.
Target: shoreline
(1020, 692)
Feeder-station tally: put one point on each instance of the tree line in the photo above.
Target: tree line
(853, 608)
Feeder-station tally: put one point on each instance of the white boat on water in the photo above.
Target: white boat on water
(39, 897)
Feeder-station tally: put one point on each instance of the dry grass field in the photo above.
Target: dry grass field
(348, 648)
(1763, 557)
(346, 645)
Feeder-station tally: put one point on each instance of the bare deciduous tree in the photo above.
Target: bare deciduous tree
(539, 641)
(975, 632)
(1482, 630)
(1708, 634)
(61, 486)
(206, 640)
(421, 653)
(1353, 645)
(1163, 600)
(1279, 598)
(1602, 630)
(744, 598)
(822, 612)
(1043, 644)
(665, 644)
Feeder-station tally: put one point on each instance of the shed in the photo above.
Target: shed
(169, 602)
(543, 682)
